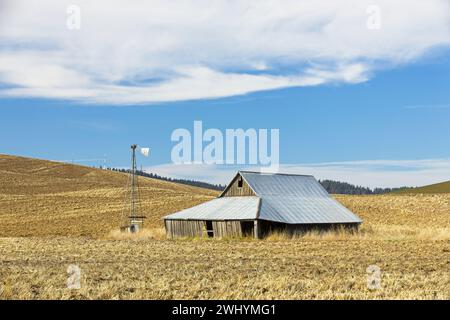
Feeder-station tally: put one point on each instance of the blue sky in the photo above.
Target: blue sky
(371, 118)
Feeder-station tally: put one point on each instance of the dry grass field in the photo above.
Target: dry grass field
(226, 269)
(42, 198)
(53, 216)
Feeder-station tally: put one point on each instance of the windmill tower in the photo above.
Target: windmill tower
(132, 208)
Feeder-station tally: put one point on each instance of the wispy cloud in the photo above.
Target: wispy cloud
(371, 173)
(158, 51)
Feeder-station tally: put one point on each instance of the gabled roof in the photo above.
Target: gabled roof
(226, 208)
(286, 198)
(283, 184)
(308, 210)
(293, 198)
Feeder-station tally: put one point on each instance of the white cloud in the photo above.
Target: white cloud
(157, 51)
(370, 173)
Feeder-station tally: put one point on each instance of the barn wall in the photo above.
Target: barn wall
(235, 191)
(189, 228)
(184, 228)
(233, 228)
(267, 227)
(227, 229)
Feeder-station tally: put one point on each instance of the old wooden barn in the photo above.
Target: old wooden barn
(255, 204)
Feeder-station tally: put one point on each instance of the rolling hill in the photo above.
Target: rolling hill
(443, 187)
(64, 215)
(44, 198)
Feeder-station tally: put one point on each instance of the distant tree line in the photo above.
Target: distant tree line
(194, 183)
(338, 187)
(334, 187)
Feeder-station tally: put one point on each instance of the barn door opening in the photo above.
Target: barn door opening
(247, 228)
(209, 229)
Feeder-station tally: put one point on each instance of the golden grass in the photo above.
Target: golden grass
(145, 234)
(71, 216)
(36, 268)
(42, 198)
(367, 232)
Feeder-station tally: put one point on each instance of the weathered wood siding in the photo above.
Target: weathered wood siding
(191, 228)
(268, 227)
(227, 229)
(183, 228)
(235, 191)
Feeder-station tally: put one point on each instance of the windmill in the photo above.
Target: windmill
(132, 207)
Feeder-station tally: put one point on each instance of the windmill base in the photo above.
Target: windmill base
(132, 228)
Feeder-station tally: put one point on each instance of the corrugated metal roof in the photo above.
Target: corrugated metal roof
(296, 199)
(284, 184)
(293, 199)
(290, 209)
(226, 208)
